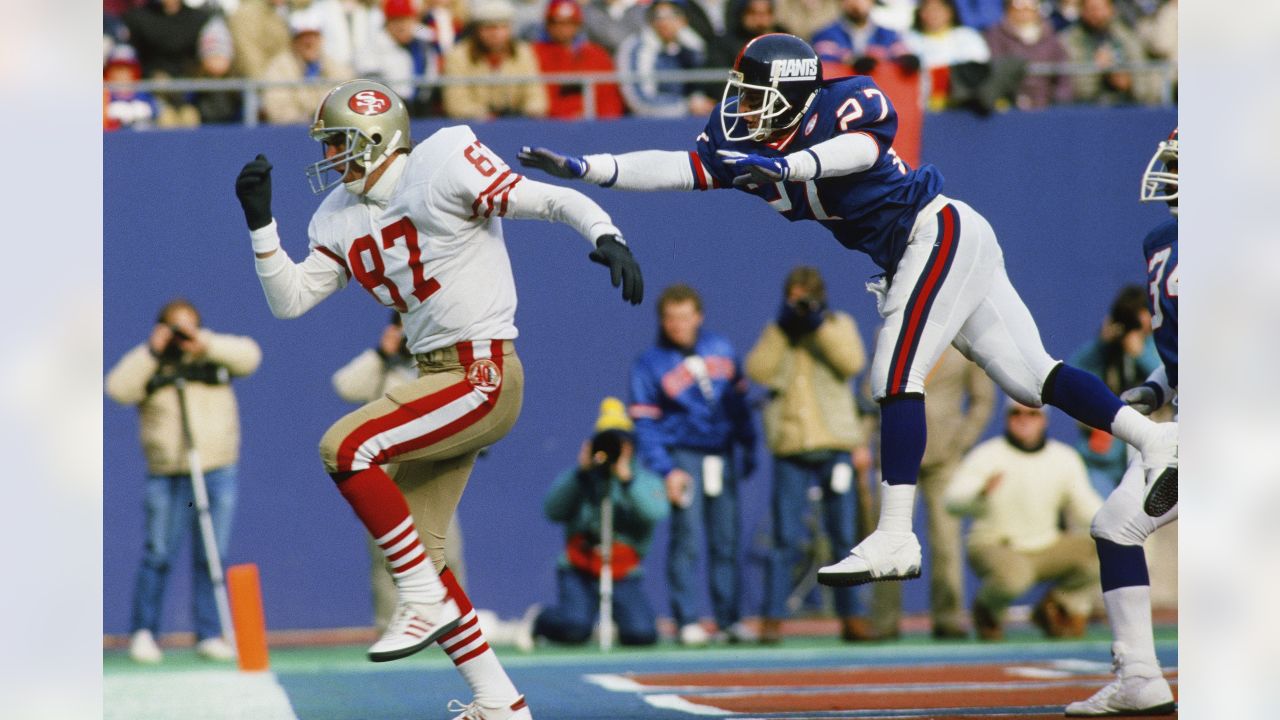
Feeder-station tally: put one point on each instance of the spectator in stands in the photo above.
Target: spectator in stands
(402, 53)
(1159, 34)
(980, 14)
(304, 60)
(1123, 355)
(114, 34)
(260, 30)
(1104, 41)
(489, 51)
(694, 428)
(805, 359)
(166, 35)
(666, 43)
(126, 108)
(744, 21)
(855, 41)
(606, 467)
(348, 28)
(1024, 34)
(117, 8)
(216, 57)
(952, 55)
(1064, 14)
(180, 347)
(370, 375)
(444, 21)
(961, 401)
(804, 18)
(566, 50)
(1018, 488)
(609, 22)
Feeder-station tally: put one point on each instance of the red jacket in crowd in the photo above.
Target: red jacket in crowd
(582, 56)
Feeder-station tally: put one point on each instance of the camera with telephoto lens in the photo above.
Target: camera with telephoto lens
(807, 306)
(173, 351)
(608, 443)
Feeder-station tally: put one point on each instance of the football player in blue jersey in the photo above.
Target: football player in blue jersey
(823, 151)
(1126, 519)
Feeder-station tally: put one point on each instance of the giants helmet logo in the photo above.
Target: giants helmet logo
(484, 375)
(369, 102)
(793, 69)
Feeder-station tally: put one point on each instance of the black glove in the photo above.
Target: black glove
(801, 318)
(549, 161)
(865, 64)
(253, 187)
(909, 62)
(623, 268)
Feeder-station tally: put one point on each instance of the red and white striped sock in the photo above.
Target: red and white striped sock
(382, 508)
(471, 654)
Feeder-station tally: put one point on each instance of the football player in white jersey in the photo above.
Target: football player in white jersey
(420, 228)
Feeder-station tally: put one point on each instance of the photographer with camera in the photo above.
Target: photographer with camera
(806, 359)
(182, 362)
(607, 468)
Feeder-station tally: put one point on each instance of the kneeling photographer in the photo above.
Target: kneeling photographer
(183, 364)
(607, 481)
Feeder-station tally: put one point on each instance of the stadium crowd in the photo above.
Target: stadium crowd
(972, 54)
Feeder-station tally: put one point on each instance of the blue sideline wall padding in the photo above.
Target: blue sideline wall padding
(1059, 187)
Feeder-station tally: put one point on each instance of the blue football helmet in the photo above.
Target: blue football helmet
(773, 80)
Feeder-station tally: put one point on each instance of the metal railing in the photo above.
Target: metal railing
(251, 102)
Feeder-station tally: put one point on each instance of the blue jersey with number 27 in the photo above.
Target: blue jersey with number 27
(1161, 249)
(870, 211)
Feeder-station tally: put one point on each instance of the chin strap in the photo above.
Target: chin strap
(357, 187)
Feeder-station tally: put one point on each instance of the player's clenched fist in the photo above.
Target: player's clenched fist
(623, 268)
(253, 187)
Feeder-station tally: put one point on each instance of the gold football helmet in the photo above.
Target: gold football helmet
(368, 119)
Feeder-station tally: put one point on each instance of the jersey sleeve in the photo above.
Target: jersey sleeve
(709, 170)
(857, 105)
(474, 182)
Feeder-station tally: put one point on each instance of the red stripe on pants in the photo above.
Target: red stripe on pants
(922, 299)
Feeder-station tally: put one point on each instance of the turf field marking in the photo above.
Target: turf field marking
(675, 702)
(195, 695)
(616, 683)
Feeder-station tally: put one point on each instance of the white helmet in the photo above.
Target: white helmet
(370, 120)
(1161, 185)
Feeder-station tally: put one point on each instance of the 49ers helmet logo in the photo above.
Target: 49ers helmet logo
(484, 375)
(369, 102)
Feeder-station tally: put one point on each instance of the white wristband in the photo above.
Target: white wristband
(265, 239)
(600, 168)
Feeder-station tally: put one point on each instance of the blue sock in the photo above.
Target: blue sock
(1121, 565)
(1082, 396)
(902, 438)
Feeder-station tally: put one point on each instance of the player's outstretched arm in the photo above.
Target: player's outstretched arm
(291, 289)
(641, 170)
(841, 155)
(531, 199)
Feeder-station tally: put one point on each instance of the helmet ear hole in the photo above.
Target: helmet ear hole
(377, 138)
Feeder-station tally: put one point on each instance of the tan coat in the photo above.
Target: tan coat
(284, 105)
(215, 418)
(258, 33)
(959, 400)
(479, 102)
(812, 406)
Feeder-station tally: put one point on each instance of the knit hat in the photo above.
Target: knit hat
(564, 10)
(613, 416)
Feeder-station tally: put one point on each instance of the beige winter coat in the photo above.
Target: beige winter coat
(479, 102)
(812, 406)
(215, 418)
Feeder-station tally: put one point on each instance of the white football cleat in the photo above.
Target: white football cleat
(143, 648)
(882, 555)
(215, 648)
(1139, 690)
(518, 710)
(1160, 464)
(415, 626)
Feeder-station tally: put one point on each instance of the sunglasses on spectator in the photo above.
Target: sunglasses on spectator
(1028, 412)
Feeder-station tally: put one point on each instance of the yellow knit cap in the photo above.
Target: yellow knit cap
(613, 416)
